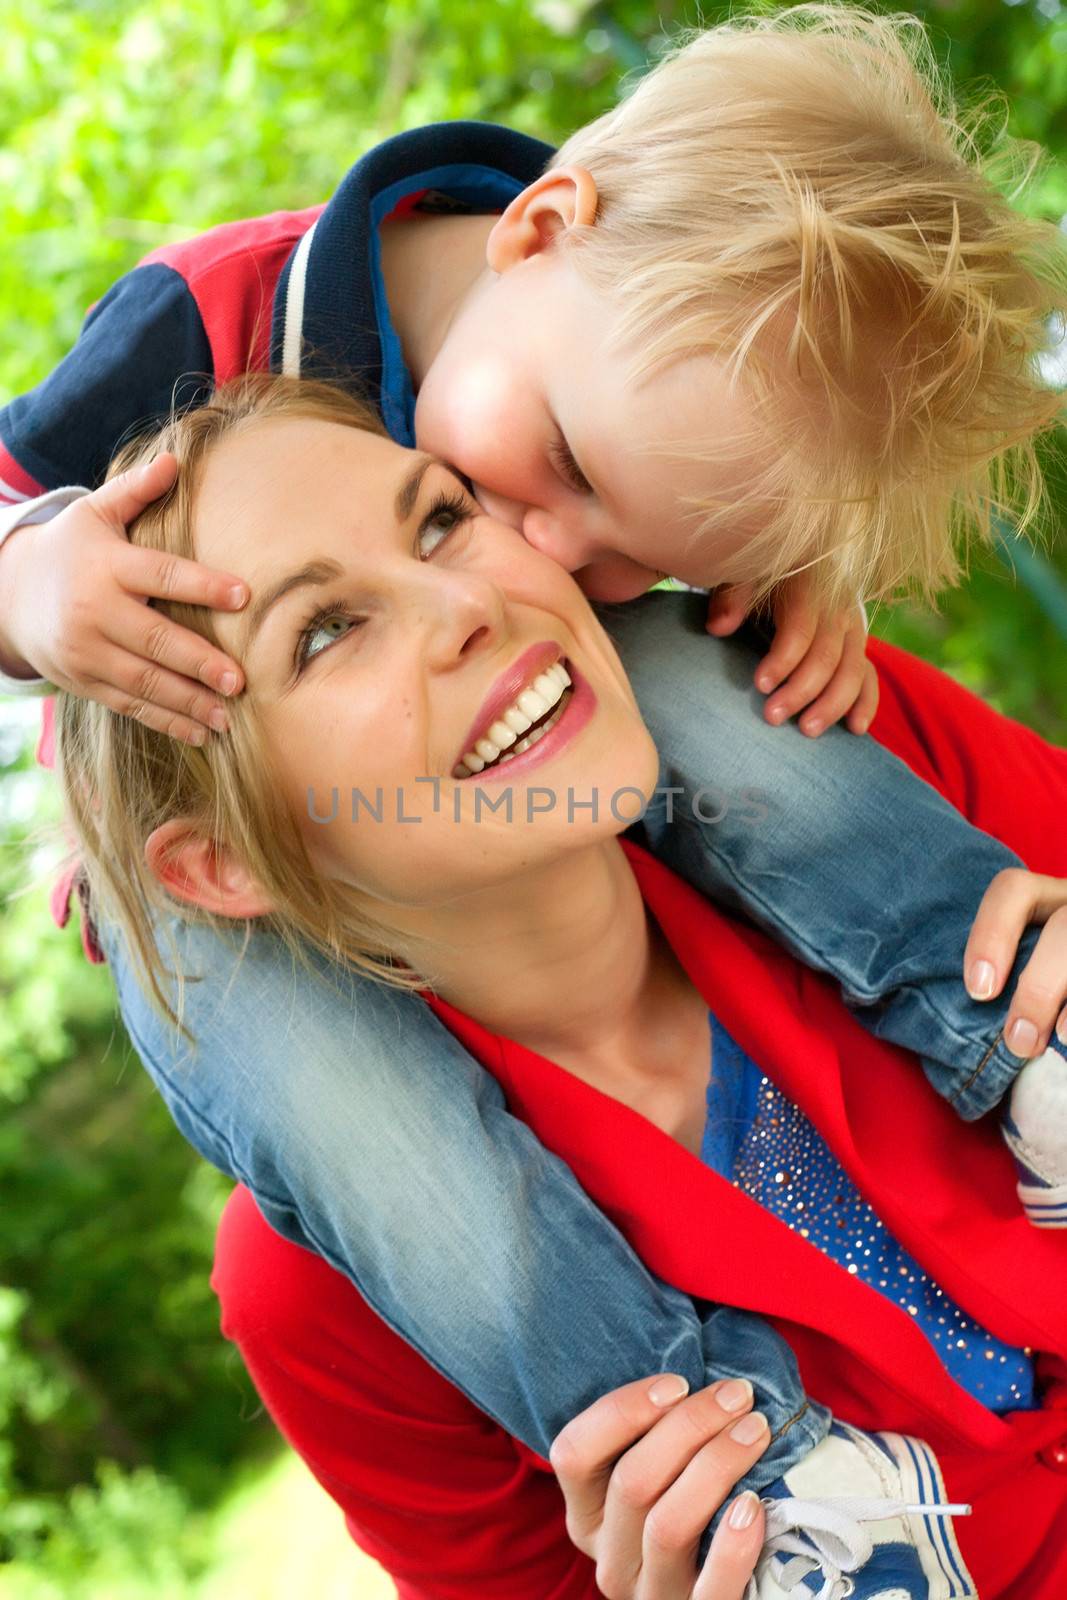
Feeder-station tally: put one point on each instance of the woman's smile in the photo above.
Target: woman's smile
(519, 720)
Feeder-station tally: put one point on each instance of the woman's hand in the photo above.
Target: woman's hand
(643, 1470)
(817, 664)
(1013, 901)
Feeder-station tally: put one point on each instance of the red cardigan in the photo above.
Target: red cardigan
(453, 1507)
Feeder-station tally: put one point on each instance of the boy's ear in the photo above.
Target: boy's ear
(564, 198)
(203, 872)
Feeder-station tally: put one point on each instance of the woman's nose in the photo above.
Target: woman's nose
(467, 612)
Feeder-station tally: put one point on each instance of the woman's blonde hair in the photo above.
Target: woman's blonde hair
(797, 194)
(121, 780)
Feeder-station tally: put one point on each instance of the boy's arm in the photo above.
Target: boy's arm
(136, 347)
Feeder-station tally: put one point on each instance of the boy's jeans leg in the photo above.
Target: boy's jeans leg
(832, 845)
(368, 1134)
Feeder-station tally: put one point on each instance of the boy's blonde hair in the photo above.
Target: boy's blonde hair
(798, 195)
(121, 780)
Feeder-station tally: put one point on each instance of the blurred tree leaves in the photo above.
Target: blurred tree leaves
(124, 126)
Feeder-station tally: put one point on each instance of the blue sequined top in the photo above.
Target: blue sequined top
(765, 1145)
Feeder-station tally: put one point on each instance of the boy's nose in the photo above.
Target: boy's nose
(558, 538)
(497, 506)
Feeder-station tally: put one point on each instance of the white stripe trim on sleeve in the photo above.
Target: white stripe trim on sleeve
(294, 305)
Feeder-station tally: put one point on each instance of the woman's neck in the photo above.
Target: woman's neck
(547, 954)
(565, 961)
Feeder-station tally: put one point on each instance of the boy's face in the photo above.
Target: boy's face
(525, 390)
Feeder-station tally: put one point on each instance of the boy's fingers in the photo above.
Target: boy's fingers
(157, 639)
(156, 696)
(864, 711)
(728, 607)
(807, 680)
(674, 1525)
(734, 1551)
(168, 722)
(123, 498)
(584, 1452)
(791, 644)
(159, 576)
(1040, 992)
(842, 691)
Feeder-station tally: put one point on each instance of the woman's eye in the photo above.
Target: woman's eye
(322, 624)
(442, 519)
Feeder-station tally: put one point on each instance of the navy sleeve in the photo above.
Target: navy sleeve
(142, 346)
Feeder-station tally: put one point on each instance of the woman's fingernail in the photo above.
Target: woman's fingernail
(1061, 1029)
(665, 1391)
(217, 718)
(1021, 1037)
(237, 594)
(742, 1514)
(734, 1394)
(749, 1429)
(983, 980)
(813, 727)
(765, 683)
(776, 714)
(228, 682)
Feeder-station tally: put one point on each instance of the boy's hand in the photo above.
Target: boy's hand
(1013, 901)
(816, 661)
(75, 596)
(642, 1480)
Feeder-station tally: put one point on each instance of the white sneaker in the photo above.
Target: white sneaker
(1036, 1132)
(862, 1515)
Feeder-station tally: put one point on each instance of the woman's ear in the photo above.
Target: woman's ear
(203, 872)
(565, 197)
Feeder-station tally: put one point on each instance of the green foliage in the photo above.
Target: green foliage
(124, 126)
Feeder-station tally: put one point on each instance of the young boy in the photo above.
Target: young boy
(762, 319)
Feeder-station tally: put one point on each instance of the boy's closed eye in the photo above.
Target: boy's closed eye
(562, 457)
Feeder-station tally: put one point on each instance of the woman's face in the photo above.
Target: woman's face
(437, 628)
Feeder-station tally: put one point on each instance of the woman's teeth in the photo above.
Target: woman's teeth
(514, 730)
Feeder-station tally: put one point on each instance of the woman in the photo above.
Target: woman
(536, 923)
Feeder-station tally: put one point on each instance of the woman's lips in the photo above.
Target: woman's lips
(578, 702)
(510, 684)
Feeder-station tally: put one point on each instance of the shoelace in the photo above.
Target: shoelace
(828, 1537)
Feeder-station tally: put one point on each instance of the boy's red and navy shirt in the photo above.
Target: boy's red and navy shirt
(296, 291)
(299, 289)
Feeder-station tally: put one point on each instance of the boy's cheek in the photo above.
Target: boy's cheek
(490, 428)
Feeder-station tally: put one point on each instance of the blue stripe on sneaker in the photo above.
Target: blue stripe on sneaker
(922, 1473)
(925, 1465)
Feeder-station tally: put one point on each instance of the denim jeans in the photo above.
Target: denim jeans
(367, 1133)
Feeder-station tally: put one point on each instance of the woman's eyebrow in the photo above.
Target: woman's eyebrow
(408, 492)
(315, 573)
